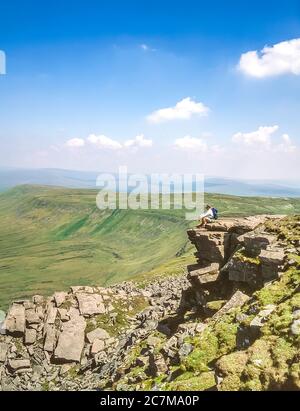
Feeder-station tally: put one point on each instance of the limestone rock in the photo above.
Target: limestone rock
(90, 304)
(157, 364)
(32, 317)
(237, 300)
(71, 341)
(63, 314)
(153, 341)
(210, 245)
(244, 271)
(275, 256)
(59, 298)
(271, 262)
(51, 313)
(98, 334)
(203, 275)
(19, 365)
(185, 350)
(97, 346)
(30, 336)
(261, 317)
(3, 351)
(15, 320)
(295, 327)
(255, 243)
(50, 338)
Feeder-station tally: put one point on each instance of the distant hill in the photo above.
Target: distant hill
(52, 238)
(86, 179)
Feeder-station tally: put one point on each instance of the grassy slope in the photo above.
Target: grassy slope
(51, 238)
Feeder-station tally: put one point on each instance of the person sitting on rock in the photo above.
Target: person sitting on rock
(207, 217)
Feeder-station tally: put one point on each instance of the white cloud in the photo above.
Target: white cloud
(138, 141)
(75, 142)
(286, 146)
(104, 142)
(282, 58)
(183, 110)
(191, 143)
(261, 139)
(258, 138)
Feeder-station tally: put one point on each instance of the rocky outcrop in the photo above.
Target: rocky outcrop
(239, 248)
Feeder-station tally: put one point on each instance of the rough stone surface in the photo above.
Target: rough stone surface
(30, 336)
(90, 304)
(237, 300)
(98, 345)
(50, 338)
(255, 243)
(15, 320)
(3, 351)
(59, 298)
(71, 340)
(262, 316)
(203, 275)
(19, 365)
(98, 333)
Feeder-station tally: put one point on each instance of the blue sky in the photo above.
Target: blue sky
(84, 78)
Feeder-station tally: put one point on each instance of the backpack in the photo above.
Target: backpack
(215, 213)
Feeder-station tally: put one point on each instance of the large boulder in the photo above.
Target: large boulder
(51, 313)
(50, 338)
(59, 298)
(19, 365)
(32, 317)
(241, 270)
(90, 304)
(272, 261)
(15, 321)
(210, 245)
(199, 275)
(30, 336)
(254, 243)
(97, 334)
(71, 341)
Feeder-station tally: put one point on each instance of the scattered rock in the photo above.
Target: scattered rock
(203, 275)
(71, 341)
(19, 365)
(98, 333)
(59, 298)
(98, 345)
(30, 336)
(50, 338)
(3, 351)
(15, 320)
(237, 300)
(295, 327)
(90, 304)
(261, 318)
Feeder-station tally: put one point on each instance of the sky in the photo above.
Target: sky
(158, 86)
